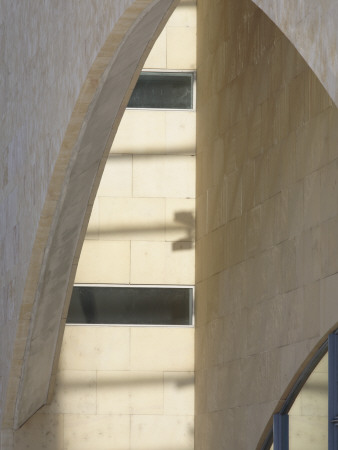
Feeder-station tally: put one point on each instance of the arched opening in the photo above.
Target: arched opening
(267, 198)
(307, 416)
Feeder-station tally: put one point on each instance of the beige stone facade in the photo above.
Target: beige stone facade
(266, 200)
(118, 388)
(266, 269)
(133, 387)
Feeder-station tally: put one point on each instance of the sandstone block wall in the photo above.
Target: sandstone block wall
(130, 387)
(142, 228)
(266, 207)
(46, 51)
(118, 388)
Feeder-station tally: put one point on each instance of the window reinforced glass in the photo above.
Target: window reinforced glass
(131, 305)
(163, 90)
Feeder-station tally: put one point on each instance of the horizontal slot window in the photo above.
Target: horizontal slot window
(163, 90)
(131, 305)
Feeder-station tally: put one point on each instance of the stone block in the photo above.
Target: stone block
(308, 432)
(132, 219)
(148, 133)
(164, 176)
(104, 262)
(180, 132)
(149, 432)
(117, 179)
(312, 200)
(201, 392)
(184, 15)
(157, 58)
(215, 252)
(329, 191)
(261, 177)
(215, 207)
(328, 304)
(179, 393)
(248, 185)
(268, 223)
(162, 349)
(162, 263)
(181, 45)
(290, 277)
(87, 348)
(299, 100)
(314, 401)
(236, 245)
(296, 208)
(330, 247)
(311, 254)
(96, 431)
(333, 134)
(74, 393)
(129, 392)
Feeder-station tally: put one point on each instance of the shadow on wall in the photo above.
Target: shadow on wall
(185, 222)
(147, 196)
(64, 425)
(121, 381)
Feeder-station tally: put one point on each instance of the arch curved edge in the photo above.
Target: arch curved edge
(296, 382)
(311, 27)
(69, 200)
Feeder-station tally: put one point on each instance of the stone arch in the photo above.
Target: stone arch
(311, 27)
(59, 235)
(288, 355)
(68, 204)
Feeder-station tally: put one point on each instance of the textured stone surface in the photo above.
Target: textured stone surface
(107, 396)
(81, 392)
(46, 51)
(41, 128)
(312, 28)
(266, 220)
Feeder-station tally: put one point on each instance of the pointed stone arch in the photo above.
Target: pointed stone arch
(69, 201)
(311, 27)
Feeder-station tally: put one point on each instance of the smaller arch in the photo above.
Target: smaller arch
(295, 387)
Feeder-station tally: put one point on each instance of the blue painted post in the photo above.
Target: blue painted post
(333, 392)
(280, 432)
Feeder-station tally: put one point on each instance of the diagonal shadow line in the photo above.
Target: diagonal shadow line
(143, 381)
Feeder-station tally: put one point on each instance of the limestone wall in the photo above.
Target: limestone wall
(266, 221)
(121, 386)
(142, 227)
(118, 388)
(46, 51)
(311, 27)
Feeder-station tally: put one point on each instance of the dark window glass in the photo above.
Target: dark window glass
(163, 90)
(131, 305)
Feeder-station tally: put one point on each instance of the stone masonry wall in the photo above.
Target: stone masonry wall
(46, 51)
(267, 211)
